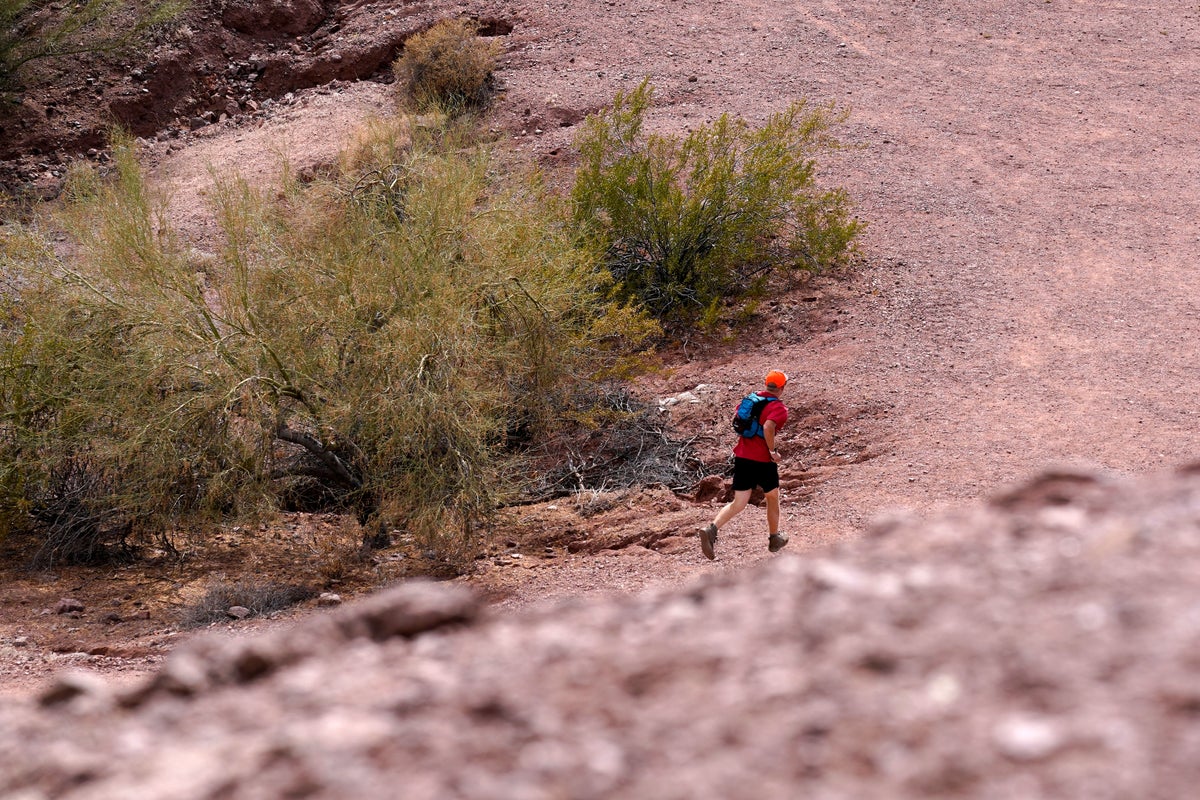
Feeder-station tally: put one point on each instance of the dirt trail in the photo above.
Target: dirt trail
(1046, 307)
(1028, 177)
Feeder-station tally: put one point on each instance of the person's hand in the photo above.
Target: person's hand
(775, 456)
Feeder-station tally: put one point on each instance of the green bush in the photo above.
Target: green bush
(33, 30)
(449, 67)
(386, 343)
(685, 221)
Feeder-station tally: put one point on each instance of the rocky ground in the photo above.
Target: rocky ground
(1043, 646)
(1026, 299)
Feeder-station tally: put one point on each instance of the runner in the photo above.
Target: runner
(756, 463)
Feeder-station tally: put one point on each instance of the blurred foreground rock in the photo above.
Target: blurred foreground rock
(1046, 645)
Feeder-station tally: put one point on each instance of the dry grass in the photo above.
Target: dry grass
(261, 598)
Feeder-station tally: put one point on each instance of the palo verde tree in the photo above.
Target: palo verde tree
(378, 342)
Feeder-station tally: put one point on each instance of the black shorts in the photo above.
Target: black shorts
(747, 474)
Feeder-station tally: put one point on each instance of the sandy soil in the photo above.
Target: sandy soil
(1026, 295)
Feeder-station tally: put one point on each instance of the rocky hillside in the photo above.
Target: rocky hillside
(1044, 645)
(221, 62)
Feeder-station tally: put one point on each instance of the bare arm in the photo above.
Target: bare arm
(769, 435)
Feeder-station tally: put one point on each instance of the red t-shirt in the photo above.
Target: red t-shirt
(755, 447)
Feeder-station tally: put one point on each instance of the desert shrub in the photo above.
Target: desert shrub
(395, 346)
(34, 30)
(260, 598)
(339, 554)
(449, 67)
(686, 220)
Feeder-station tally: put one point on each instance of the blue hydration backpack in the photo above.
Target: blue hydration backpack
(745, 421)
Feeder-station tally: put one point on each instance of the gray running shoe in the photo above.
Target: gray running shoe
(708, 541)
(776, 542)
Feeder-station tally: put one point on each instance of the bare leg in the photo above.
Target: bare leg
(735, 506)
(772, 498)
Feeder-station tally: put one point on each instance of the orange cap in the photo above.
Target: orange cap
(775, 379)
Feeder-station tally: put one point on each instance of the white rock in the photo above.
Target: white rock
(943, 689)
(1026, 737)
(682, 397)
(835, 575)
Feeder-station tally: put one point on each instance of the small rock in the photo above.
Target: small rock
(238, 612)
(329, 599)
(838, 576)
(20, 641)
(943, 690)
(1026, 737)
(69, 685)
(682, 397)
(183, 675)
(410, 609)
(68, 605)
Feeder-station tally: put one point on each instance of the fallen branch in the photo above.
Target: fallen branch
(327, 456)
